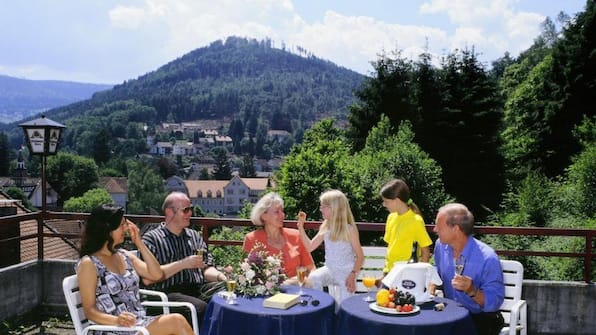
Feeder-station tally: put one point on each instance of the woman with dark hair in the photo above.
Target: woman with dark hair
(109, 276)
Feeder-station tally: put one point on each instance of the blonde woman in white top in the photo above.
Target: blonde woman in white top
(343, 252)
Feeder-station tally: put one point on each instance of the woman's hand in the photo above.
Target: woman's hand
(135, 233)
(127, 319)
(301, 220)
(351, 282)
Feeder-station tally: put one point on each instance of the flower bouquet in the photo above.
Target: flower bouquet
(260, 273)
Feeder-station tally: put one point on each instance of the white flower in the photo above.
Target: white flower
(250, 274)
(261, 289)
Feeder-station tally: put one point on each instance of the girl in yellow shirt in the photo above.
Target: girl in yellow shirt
(404, 225)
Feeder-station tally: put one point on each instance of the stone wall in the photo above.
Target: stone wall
(560, 307)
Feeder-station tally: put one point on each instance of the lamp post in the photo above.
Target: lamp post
(43, 137)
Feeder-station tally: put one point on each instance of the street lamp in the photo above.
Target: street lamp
(43, 137)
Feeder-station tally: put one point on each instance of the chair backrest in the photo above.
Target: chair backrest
(513, 277)
(374, 262)
(70, 286)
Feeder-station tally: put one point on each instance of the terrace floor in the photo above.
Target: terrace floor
(33, 325)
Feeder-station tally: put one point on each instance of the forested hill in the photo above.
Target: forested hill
(237, 79)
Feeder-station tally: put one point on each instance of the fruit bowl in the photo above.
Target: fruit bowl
(396, 301)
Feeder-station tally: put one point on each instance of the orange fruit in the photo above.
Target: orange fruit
(382, 297)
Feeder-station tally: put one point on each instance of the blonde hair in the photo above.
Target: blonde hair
(267, 201)
(340, 214)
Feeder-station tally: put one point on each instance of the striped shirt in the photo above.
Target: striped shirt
(169, 247)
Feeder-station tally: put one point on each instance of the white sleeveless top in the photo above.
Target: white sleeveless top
(339, 256)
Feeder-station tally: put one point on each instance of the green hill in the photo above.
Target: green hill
(237, 80)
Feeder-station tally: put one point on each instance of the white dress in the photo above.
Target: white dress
(339, 262)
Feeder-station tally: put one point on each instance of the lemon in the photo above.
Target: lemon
(382, 297)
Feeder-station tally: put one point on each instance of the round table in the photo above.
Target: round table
(249, 316)
(355, 318)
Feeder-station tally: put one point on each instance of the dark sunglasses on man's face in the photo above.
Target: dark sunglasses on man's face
(186, 210)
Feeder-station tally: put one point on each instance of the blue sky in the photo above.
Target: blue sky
(110, 41)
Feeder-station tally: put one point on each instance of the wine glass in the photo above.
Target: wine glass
(301, 274)
(368, 281)
(200, 252)
(231, 287)
(459, 265)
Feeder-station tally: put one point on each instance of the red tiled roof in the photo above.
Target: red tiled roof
(54, 247)
(194, 186)
(114, 184)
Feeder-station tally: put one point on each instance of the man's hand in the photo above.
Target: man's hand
(194, 262)
(462, 283)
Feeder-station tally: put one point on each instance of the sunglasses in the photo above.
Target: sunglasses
(186, 210)
(307, 298)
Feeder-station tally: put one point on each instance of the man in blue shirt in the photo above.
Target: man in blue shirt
(479, 285)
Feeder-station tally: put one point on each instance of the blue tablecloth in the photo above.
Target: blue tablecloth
(250, 317)
(356, 318)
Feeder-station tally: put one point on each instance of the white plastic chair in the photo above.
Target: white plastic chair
(82, 325)
(514, 309)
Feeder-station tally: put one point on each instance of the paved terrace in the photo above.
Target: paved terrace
(33, 286)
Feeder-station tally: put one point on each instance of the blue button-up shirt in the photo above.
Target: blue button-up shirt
(482, 265)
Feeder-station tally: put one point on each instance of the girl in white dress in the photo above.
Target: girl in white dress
(343, 252)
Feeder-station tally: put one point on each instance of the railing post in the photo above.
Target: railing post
(588, 257)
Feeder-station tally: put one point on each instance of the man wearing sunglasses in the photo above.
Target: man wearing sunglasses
(190, 274)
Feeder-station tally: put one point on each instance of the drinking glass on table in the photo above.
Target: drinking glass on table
(368, 281)
(301, 274)
(231, 287)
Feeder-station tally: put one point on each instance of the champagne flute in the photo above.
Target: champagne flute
(368, 281)
(231, 287)
(459, 264)
(200, 252)
(301, 274)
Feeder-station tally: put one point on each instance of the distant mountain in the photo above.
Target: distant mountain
(250, 82)
(21, 98)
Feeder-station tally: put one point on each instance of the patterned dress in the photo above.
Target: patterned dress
(116, 293)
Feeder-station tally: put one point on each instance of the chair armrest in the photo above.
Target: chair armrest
(160, 295)
(193, 310)
(132, 330)
(514, 316)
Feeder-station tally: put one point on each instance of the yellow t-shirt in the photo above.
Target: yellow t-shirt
(400, 233)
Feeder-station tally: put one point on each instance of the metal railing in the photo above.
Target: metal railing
(587, 255)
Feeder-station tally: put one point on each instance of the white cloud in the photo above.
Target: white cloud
(154, 32)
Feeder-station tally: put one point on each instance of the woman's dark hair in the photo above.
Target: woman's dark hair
(398, 189)
(103, 220)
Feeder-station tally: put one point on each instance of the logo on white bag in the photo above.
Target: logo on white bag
(408, 284)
